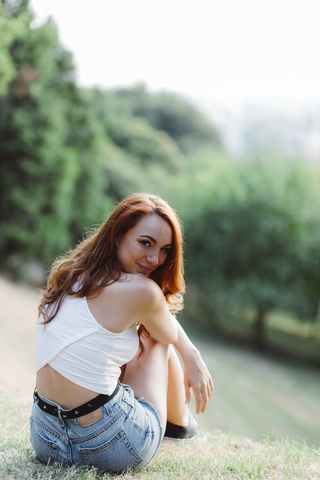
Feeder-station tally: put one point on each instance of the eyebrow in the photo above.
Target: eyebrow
(154, 241)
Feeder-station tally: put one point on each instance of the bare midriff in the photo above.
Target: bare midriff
(60, 390)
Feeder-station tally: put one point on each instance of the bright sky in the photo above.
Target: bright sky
(228, 50)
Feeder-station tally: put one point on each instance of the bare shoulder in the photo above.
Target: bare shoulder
(149, 307)
(126, 301)
(133, 291)
(138, 299)
(141, 289)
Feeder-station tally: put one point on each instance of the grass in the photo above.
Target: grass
(271, 401)
(289, 324)
(257, 395)
(223, 456)
(282, 333)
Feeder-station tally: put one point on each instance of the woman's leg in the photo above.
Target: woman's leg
(159, 380)
(149, 380)
(177, 412)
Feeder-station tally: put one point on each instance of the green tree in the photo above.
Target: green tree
(67, 154)
(11, 28)
(170, 113)
(256, 248)
(134, 135)
(50, 171)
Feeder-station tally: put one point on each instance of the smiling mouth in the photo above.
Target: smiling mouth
(144, 268)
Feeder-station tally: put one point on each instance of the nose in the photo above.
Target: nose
(153, 258)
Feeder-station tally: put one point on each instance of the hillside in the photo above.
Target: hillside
(221, 457)
(256, 396)
(17, 332)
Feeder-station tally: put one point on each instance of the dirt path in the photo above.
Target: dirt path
(18, 320)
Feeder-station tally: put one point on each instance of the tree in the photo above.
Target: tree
(49, 148)
(256, 249)
(11, 27)
(170, 113)
(134, 135)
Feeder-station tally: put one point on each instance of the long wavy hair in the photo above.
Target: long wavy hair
(93, 264)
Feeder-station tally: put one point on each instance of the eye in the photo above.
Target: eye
(165, 249)
(145, 243)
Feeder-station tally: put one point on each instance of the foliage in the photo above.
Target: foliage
(141, 143)
(68, 154)
(49, 151)
(257, 247)
(12, 26)
(171, 114)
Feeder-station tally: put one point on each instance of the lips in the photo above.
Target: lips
(144, 268)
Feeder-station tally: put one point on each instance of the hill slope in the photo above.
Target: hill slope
(18, 319)
(255, 395)
(221, 457)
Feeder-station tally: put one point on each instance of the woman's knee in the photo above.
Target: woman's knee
(156, 350)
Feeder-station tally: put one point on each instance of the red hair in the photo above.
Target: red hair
(94, 260)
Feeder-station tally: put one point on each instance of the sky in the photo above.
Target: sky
(231, 51)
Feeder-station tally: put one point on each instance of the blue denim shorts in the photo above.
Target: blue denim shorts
(128, 435)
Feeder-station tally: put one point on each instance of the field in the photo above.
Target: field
(257, 399)
(221, 457)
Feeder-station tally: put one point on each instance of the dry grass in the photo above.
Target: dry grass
(18, 319)
(220, 457)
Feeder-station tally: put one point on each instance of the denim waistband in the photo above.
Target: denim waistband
(52, 408)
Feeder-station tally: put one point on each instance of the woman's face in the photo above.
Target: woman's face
(144, 247)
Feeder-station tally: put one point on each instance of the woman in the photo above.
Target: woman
(105, 317)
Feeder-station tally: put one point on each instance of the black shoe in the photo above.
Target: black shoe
(177, 432)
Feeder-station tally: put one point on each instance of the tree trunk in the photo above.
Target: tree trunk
(259, 328)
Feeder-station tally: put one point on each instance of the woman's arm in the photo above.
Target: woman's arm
(152, 311)
(196, 374)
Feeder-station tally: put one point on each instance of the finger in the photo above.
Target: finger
(188, 395)
(206, 394)
(205, 398)
(210, 390)
(211, 387)
(198, 399)
(188, 391)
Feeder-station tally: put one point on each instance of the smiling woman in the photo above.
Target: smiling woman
(145, 247)
(116, 290)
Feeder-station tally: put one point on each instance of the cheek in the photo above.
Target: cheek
(119, 255)
(138, 251)
(163, 257)
(122, 252)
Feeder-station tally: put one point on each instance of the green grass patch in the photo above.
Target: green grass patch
(222, 456)
(257, 395)
(283, 333)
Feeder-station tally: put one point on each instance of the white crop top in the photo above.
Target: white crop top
(79, 348)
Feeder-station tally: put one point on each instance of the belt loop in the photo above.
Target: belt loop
(108, 409)
(60, 418)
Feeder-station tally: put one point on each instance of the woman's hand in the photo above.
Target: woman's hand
(197, 378)
(196, 374)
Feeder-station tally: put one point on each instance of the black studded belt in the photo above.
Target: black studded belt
(84, 409)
